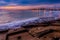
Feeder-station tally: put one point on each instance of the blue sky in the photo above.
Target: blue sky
(27, 2)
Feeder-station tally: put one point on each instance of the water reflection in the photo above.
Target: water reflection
(9, 16)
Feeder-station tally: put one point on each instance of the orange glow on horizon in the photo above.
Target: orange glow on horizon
(26, 7)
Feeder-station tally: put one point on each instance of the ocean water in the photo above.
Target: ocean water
(9, 16)
(15, 19)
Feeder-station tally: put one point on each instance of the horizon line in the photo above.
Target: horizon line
(29, 7)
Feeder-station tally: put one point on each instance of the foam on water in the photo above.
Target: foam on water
(20, 23)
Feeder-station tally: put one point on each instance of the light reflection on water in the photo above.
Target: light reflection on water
(9, 16)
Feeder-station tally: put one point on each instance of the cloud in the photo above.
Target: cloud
(12, 4)
(32, 2)
(19, 7)
(3, 2)
(27, 2)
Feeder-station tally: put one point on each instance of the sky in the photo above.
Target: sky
(27, 2)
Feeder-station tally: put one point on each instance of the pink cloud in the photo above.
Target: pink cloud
(13, 6)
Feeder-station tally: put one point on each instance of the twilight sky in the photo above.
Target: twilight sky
(27, 2)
